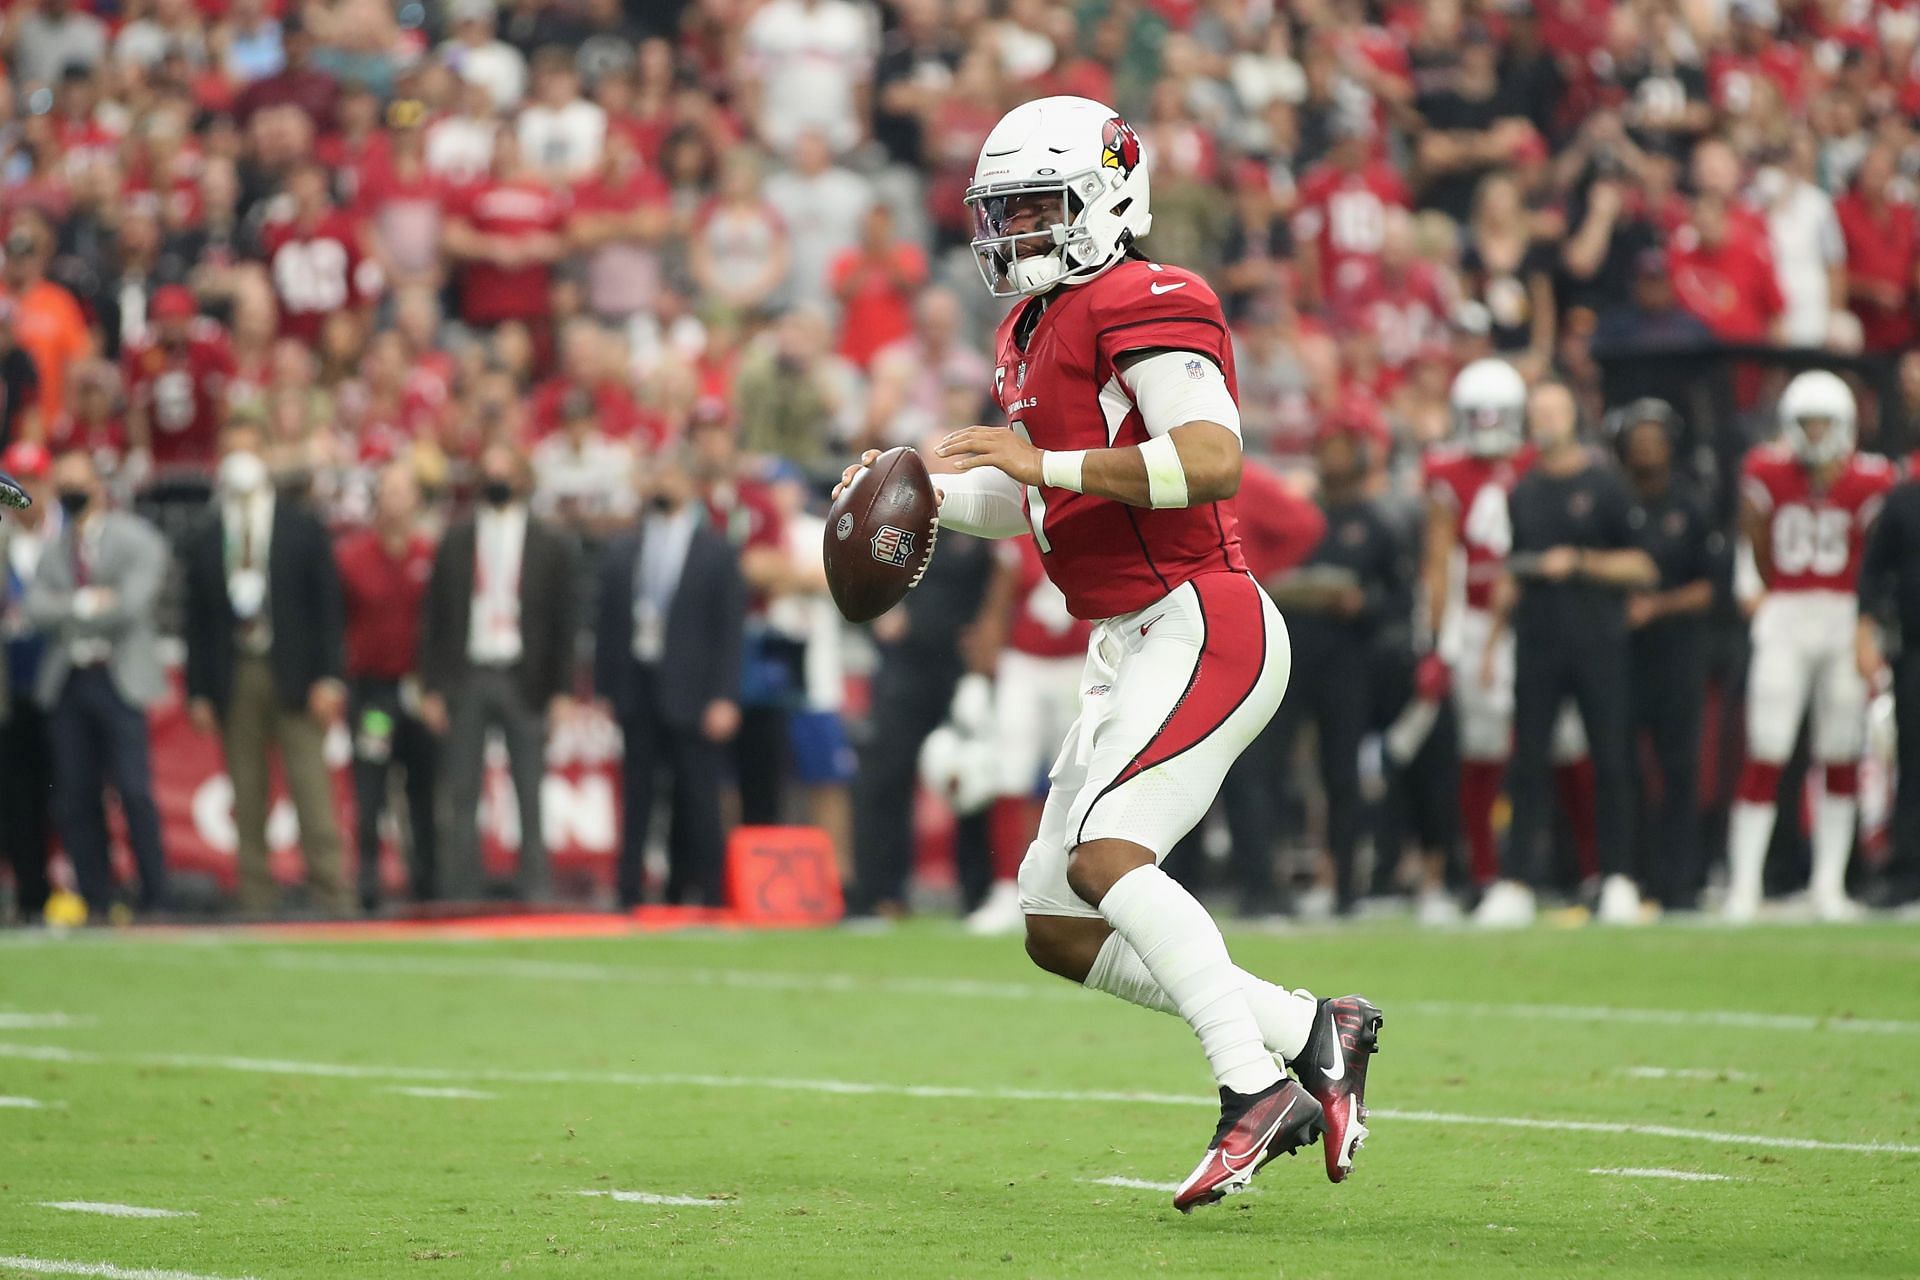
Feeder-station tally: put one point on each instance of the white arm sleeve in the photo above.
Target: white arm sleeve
(1174, 388)
(985, 502)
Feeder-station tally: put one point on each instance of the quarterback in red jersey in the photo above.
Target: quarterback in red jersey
(1805, 505)
(1121, 449)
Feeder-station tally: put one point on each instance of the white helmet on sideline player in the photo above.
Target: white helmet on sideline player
(1069, 174)
(1489, 401)
(1817, 395)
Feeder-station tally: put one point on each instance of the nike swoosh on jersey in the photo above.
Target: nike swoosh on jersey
(1166, 288)
(1149, 622)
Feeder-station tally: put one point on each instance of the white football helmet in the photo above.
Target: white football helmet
(1489, 401)
(1076, 164)
(1817, 394)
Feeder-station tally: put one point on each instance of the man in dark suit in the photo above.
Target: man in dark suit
(264, 630)
(497, 651)
(93, 598)
(667, 658)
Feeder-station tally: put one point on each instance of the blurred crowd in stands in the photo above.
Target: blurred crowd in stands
(517, 279)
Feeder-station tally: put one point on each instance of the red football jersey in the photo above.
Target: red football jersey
(490, 293)
(1815, 538)
(1345, 213)
(1406, 315)
(1041, 625)
(1064, 392)
(315, 273)
(184, 394)
(1476, 489)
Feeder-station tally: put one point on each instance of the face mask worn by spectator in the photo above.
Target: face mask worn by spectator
(498, 493)
(75, 502)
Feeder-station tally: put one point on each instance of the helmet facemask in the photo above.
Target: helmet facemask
(1034, 234)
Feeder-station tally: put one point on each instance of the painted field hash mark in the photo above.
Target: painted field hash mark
(650, 1197)
(1670, 1175)
(105, 1270)
(107, 1209)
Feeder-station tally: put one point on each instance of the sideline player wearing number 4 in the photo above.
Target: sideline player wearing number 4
(1117, 378)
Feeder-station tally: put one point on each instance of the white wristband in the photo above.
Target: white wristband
(1060, 469)
(1166, 477)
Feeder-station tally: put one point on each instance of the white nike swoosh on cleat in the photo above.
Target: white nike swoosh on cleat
(1226, 1161)
(1165, 288)
(1338, 1071)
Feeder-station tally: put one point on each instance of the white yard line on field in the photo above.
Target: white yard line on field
(109, 1210)
(861, 984)
(1132, 1184)
(1684, 1073)
(423, 1091)
(649, 1197)
(106, 1270)
(9, 1102)
(17, 1021)
(862, 1088)
(1671, 1175)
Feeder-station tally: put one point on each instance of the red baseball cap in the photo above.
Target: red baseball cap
(25, 460)
(173, 302)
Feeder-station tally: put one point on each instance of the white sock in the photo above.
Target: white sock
(1181, 947)
(1833, 822)
(1285, 1017)
(1748, 831)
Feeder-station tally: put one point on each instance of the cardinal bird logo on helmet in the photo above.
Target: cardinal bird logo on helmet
(1120, 146)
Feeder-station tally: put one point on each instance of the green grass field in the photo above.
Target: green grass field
(437, 1108)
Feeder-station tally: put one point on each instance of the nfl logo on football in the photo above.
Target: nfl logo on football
(892, 546)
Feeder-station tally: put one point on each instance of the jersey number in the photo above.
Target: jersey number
(312, 275)
(1808, 541)
(1356, 222)
(1488, 525)
(1036, 505)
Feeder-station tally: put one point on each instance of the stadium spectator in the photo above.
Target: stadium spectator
(93, 600)
(1667, 667)
(264, 662)
(314, 258)
(497, 652)
(1808, 245)
(667, 658)
(47, 322)
(383, 581)
(480, 58)
(506, 233)
(808, 64)
(1721, 272)
(915, 381)
(561, 133)
(177, 385)
(92, 423)
(1573, 560)
(1882, 254)
(582, 474)
(620, 215)
(739, 250)
(875, 282)
(821, 205)
(26, 755)
(794, 396)
(1890, 593)
(51, 37)
(298, 83)
(19, 384)
(1341, 211)
(1508, 272)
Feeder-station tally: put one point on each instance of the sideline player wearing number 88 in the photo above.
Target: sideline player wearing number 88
(1117, 378)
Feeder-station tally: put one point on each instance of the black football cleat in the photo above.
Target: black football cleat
(1254, 1128)
(1333, 1067)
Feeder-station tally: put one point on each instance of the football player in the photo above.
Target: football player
(1805, 504)
(1467, 540)
(1121, 449)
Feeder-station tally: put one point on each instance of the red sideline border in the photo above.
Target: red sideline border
(496, 925)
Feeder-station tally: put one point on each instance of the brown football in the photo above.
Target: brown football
(880, 534)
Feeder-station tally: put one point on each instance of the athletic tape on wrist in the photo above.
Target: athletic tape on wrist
(1061, 468)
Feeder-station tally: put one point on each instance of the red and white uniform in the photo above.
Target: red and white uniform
(184, 395)
(1476, 489)
(1803, 629)
(1344, 212)
(1189, 659)
(316, 273)
(1036, 690)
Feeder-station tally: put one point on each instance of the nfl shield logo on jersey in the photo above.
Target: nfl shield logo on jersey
(892, 546)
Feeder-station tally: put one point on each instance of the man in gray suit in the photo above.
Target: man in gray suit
(93, 598)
